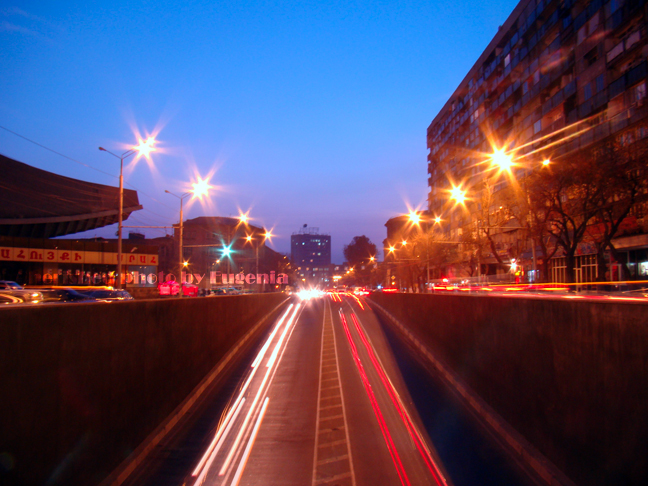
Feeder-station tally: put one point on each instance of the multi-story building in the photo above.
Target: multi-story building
(311, 256)
(558, 77)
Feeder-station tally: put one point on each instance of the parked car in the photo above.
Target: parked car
(9, 285)
(108, 295)
(51, 296)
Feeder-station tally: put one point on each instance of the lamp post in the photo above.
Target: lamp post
(144, 148)
(200, 189)
(180, 259)
(266, 236)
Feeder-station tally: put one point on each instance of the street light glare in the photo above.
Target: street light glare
(546, 162)
(414, 217)
(502, 160)
(201, 188)
(145, 147)
(458, 195)
(437, 219)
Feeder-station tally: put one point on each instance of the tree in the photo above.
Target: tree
(361, 254)
(625, 189)
(587, 195)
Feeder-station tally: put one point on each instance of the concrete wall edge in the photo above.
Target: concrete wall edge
(139, 455)
(542, 470)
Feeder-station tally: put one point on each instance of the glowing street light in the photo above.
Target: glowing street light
(143, 149)
(414, 217)
(502, 160)
(458, 194)
(546, 162)
(200, 189)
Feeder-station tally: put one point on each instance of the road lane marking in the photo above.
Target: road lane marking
(330, 463)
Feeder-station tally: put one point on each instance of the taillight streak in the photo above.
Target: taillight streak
(393, 395)
(402, 475)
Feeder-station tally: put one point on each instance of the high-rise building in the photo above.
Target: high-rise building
(559, 77)
(311, 256)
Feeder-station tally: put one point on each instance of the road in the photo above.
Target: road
(324, 402)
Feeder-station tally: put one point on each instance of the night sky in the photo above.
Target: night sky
(304, 112)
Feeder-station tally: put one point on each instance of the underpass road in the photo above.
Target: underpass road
(323, 405)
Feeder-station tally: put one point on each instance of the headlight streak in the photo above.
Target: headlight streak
(273, 356)
(243, 427)
(398, 404)
(402, 475)
(209, 457)
(222, 432)
(269, 340)
(209, 453)
(248, 448)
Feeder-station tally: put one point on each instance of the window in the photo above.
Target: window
(537, 126)
(591, 57)
(507, 60)
(600, 83)
(638, 93)
(582, 34)
(632, 39)
(615, 51)
(587, 92)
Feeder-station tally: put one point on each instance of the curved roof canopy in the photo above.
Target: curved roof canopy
(39, 204)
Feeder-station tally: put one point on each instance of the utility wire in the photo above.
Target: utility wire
(81, 163)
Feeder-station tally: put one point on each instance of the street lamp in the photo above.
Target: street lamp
(181, 263)
(144, 148)
(200, 189)
(243, 218)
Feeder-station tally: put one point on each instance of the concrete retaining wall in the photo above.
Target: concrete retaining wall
(83, 384)
(571, 376)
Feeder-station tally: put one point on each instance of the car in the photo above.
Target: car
(107, 295)
(52, 296)
(14, 293)
(10, 285)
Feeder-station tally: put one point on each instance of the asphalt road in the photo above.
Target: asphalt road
(324, 401)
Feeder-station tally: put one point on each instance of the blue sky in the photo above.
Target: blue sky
(305, 112)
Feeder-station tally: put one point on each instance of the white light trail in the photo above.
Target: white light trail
(248, 448)
(275, 352)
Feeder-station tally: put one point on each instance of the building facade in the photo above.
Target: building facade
(311, 256)
(559, 77)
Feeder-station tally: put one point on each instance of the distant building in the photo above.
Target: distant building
(311, 256)
(558, 77)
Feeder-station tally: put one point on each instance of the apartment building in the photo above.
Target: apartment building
(311, 256)
(558, 77)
